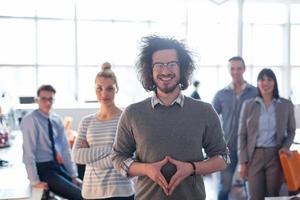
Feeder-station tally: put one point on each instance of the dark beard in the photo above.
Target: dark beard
(168, 90)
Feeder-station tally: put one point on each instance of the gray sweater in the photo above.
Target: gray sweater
(150, 134)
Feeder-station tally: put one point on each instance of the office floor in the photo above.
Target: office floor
(238, 192)
(210, 181)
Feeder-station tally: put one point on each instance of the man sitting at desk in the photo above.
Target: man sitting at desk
(43, 139)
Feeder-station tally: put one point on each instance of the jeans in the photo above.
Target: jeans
(58, 180)
(226, 176)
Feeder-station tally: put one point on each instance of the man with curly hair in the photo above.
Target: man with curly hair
(160, 139)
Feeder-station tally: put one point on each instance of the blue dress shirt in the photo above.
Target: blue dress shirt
(266, 133)
(37, 144)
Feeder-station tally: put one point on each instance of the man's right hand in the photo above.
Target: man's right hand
(84, 144)
(152, 170)
(42, 185)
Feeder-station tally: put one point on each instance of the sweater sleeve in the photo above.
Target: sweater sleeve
(104, 163)
(124, 145)
(214, 143)
(88, 155)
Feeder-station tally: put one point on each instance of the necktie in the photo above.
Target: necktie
(50, 129)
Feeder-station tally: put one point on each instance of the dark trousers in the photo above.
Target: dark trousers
(116, 198)
(58, 180)
(80, 170)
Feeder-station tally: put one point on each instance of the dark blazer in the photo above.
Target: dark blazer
(250, 113)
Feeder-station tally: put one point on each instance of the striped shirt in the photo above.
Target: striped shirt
(101, 180)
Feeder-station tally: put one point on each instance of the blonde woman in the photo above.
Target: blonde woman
(94, 143)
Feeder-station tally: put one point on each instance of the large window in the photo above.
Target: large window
(64, 42)
(295, 49)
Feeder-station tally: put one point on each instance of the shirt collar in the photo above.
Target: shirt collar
(258, 99)
(43, 114)
(231, 86)
(155, 100)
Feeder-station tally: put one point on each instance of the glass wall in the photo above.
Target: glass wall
(64, 42)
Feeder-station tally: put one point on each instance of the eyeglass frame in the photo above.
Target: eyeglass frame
(44, 99)
(176, 64)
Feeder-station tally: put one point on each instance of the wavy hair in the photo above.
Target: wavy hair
(153, 43)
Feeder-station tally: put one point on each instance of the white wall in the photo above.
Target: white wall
(297, 115)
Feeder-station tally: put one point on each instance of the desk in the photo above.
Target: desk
(13, 178)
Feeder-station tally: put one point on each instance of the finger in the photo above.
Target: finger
(173, 161)
(164, 161)
(174, 183)
(161, 183)
(165, 189)
(173, 179)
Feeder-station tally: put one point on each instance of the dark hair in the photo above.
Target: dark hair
(48, 88)
(196, 83)
(153, 43)
(106, 72)
(270, 74)
(238, 58)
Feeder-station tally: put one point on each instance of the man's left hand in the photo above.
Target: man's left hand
(184, 169)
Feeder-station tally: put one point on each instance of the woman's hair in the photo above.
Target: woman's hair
(106, 72)
(154, 43)
(270, 74)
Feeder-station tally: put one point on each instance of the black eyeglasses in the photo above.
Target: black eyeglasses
(160, 65)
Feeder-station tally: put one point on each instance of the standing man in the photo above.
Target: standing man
(160, 139)
(228, 103)
(43, 138)
(195, 93)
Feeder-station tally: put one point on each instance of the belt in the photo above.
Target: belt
(265, 147)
